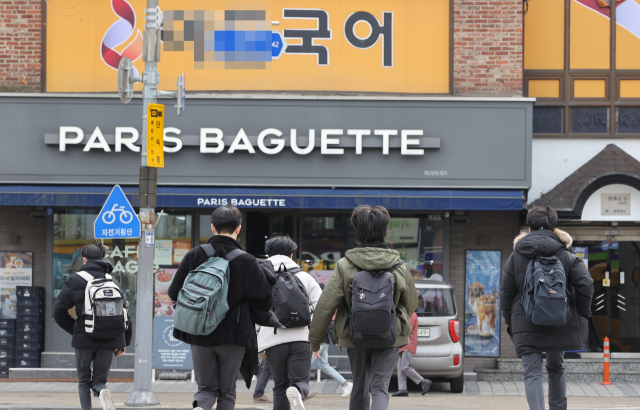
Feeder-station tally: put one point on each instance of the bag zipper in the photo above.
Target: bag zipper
(189, 307)
(199, 285)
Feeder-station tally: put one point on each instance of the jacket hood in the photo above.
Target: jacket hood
(372, 259)
(541, 242)
(98, 265)
(278, 260)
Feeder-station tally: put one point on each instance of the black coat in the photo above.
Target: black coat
(530, 338)
(72, 294)
(248, 290)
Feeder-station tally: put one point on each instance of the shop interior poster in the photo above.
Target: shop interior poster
(163, 305)
(163, 252)
(482, 304)
(16, 269)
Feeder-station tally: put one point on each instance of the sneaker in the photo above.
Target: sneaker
(254, 378)
(105, 400)
(401, 393)
(310, 395)
(346, 390)
(295, 400)
(426, 385)
(195, 405)
(262, 399)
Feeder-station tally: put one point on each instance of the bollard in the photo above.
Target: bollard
(605, 371)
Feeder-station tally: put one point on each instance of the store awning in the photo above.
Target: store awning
(270, 198)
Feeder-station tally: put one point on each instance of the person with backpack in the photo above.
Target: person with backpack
(102, 328)
(215, 289)
(373, 291)
(546, 303)
(405, 357)
(295, 296)
(322, 356)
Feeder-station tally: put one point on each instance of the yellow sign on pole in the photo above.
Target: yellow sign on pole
(155, 136)
(606, 283)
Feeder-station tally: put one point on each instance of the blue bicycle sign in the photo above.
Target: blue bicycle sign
(117, 219)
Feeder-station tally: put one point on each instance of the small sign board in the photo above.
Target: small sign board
(616, 204)
(117, 219)
(610, 232)
(168, 352)
(155, 136)
(606, 283)
(149, 239)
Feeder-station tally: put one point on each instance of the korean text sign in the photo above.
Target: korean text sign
(399, 46)
(482, 304)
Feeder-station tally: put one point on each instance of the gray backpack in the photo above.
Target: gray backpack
(373, 311)
(545, 298)
(202, 301)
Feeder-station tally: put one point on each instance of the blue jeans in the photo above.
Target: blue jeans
(323, 363)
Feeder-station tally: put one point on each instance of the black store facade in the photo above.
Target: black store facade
(453, 172)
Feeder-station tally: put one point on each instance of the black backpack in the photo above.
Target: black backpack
(545, 297)
(290, 299)
(373, 311)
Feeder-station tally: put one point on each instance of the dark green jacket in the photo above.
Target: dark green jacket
(337, 295)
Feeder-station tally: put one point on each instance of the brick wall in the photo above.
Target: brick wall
(499, 228)
(32, 233)
(488, 47)
(20, 45)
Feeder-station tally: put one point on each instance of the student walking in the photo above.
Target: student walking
(373, 291)
(296, 294)
(322, 357)
(544, 251)
(94, 346)
(217, 356)
(405, 357)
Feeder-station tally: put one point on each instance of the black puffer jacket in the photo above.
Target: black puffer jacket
(248, 290)
(72, 294)
(530, 338)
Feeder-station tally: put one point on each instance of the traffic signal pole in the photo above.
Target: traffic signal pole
(142, 394)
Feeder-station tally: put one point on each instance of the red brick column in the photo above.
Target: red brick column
(488, 47)
(20, 45)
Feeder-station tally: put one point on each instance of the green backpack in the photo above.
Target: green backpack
(202, 301)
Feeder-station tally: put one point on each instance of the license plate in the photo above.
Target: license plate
(423, 332)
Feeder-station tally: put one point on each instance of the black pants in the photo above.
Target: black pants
(92, 381)
(216, 369)
(264, 374)
(290, 365)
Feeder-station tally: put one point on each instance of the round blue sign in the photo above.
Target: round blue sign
(49, 210)
(605, 245)
(615, 245)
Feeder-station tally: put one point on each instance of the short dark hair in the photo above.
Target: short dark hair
(542, 217)
(94, 250)
(371, 224)
(280, 244)
(226, 219)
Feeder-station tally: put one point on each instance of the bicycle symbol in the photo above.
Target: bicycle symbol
(109, 217)
(15, 263)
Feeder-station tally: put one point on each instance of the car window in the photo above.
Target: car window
(436, 302)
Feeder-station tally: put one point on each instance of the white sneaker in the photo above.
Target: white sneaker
(295, 400)
(346, 390)
(254, 378)
(106, 401)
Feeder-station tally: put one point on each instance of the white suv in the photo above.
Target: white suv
(440, 354)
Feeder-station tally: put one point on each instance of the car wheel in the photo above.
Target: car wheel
(457, 385)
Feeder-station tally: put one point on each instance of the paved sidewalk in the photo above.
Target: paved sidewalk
(331, 387)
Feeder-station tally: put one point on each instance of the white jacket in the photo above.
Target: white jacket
(266, 338)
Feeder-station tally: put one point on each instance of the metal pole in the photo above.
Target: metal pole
(609, 291)
(142, 395)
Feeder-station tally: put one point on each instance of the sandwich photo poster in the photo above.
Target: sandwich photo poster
(482, 303)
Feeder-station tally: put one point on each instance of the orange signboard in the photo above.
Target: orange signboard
(395, 46)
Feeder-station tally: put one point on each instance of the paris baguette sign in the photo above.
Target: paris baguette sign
(270, 141)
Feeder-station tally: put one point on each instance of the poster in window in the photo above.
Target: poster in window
(169, 352)
(482, 304)
(163, 252)
(16, 269)
(163, 306)
(180, 248)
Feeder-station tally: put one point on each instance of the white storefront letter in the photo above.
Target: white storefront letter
(279, 143)
(358, 134)
(127, 142)
(325, 141)
(405, 142)
(241, 143)
(205, 139)
(173, 140)
(294, 142)
(385, 139)
(64, 140)
(97, 141)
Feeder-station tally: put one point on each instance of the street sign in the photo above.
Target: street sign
(278, 45)
(117, 219)
(606, 283)
(155, 136)
(149, 240)
(610, 232)
(615, 245)
(605, 245)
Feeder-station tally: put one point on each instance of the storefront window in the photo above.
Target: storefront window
(73, 230)
(325, 239)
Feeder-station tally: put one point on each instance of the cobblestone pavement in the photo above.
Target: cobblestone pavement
(331, 387)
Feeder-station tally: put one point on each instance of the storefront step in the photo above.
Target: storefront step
(576, 365)
(67, 360)
(61, 373)
(571, 375)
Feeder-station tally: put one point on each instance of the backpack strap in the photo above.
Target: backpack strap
(208, 248)
(234, 254)
(87, 276)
